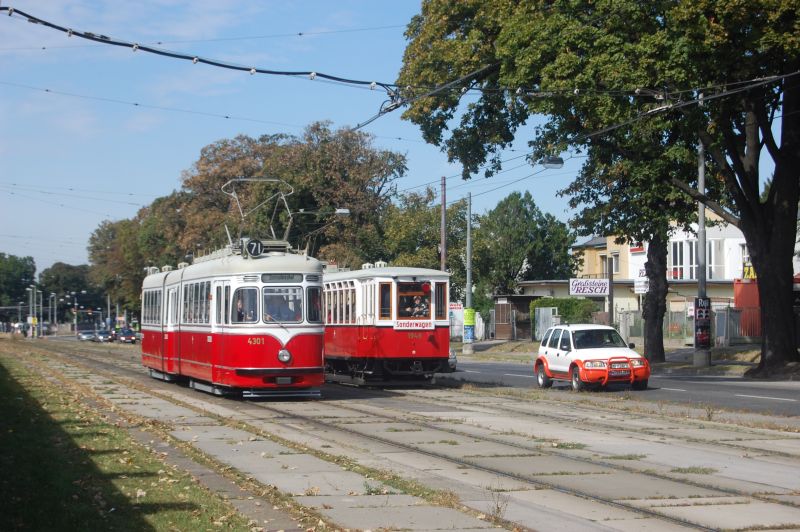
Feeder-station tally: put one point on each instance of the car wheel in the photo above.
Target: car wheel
(577, 384)
(541, 377)
(639, 385)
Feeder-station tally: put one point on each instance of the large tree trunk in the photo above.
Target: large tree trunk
(771, 241)
(655, 300)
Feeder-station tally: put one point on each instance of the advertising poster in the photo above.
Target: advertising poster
(702, 323)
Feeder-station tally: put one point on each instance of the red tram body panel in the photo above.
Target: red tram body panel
(386, 325)
(213, 323)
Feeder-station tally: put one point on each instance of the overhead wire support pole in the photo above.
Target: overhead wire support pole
(443, 228)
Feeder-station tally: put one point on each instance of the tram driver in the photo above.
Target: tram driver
(418, 308)
(277, 309)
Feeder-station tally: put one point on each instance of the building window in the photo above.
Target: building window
(676, 261)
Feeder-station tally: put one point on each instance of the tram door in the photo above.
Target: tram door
(221, 318)
(170, 347)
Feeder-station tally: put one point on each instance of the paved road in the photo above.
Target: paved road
(766, 397)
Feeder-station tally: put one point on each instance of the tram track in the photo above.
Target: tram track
(286, 415)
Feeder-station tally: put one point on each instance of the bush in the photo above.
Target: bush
(571, 309)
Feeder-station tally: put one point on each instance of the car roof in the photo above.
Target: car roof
(582, 326)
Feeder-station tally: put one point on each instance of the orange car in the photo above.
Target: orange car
(589, 355)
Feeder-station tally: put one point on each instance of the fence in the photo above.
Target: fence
(729, 326)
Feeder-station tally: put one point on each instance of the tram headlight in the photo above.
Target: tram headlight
(284, 356)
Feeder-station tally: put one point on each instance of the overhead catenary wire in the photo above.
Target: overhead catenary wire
(391, 88)
(222, 39)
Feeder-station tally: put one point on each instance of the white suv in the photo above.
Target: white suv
(586, 354)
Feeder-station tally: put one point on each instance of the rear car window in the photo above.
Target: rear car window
(565, 344)
(554, 338)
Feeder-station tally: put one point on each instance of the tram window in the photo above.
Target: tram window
(386, 301)
(218, 306)
(413, 300)
(226, 304)
(314, 309)
(185, 318)
(283, 304)
(196, 303)
(441, 301)
(245, 308)
(207, 302)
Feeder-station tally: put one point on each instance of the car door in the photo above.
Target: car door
(565, 350)
(553, 352)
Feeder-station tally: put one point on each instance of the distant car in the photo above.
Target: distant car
(86, 335)
(103, 336)
(589, 355)
(126, 336)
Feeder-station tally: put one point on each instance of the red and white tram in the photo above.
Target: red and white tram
(386, 325)
(243, 321)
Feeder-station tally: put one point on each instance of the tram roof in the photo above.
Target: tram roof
(389, 271)
(239, 265)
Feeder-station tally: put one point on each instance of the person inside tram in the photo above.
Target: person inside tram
(244, 311)
(418, 308)
(278, 309)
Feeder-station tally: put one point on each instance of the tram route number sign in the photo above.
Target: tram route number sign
(254, 248)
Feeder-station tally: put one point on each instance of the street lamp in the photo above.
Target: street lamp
(52, 308)
(552, 162)
(31, 297)
(40, 311)
(75, 310)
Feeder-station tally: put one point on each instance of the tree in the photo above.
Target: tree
(516, 242)
(321, 171)
(630, 62)
(413, 236)
(16, 273)
(63, 279)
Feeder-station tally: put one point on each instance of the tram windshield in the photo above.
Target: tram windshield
(283, 304)
(413, 300)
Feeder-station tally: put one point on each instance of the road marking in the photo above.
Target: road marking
(673, 389)
(518, 375)
(763, 397)
(470, 371)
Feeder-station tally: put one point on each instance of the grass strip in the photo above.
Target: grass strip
(67, 468)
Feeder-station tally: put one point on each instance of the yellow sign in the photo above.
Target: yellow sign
(469, 316)
(748, 272)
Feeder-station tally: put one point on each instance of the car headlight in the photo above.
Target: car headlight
(637, 362)
(284, 356)
(594, 364)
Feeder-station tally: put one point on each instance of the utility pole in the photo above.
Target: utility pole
(469, 312)
(443, 228)
(610, 290)
(702, 304)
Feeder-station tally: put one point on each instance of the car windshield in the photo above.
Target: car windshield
(597, 338)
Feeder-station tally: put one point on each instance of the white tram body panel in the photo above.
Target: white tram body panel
(210, 322)
(386, 325)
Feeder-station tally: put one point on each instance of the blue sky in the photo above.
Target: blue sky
(74, 151)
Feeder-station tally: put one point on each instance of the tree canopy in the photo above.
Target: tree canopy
(516, 242)
(617, 75)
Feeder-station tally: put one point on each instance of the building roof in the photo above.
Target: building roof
(596, 242)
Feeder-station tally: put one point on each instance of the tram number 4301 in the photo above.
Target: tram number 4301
(255, 341)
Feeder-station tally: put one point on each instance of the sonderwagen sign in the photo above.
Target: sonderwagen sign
(588, 287)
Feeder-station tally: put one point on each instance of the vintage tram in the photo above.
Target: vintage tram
(246, 320)
(386, 325)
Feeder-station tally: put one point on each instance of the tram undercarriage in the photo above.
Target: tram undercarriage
(384, 371)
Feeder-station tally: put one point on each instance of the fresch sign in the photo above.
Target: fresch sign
(588, 287)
